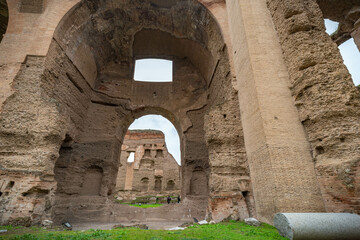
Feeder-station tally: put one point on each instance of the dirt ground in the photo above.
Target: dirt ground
(156, 225)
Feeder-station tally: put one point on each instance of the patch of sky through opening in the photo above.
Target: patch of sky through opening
(153, 70)
(349, 52)
(131, 157)
(157, 122)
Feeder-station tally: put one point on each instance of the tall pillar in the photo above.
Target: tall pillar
(281, 166)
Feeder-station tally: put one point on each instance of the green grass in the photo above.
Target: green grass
(221, 231)
(146, 205)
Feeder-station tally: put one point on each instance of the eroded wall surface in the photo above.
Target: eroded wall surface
(326, 99)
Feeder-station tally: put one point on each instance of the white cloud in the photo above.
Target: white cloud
(158, 122)
(349, 52)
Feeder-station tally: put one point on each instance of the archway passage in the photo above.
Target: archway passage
(87, 85)
(4, 18)
(152, 167)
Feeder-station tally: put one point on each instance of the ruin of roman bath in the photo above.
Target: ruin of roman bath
(266, 111)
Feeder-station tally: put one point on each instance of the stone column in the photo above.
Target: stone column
(281, 166)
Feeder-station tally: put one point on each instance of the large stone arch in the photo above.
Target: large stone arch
(87, 87)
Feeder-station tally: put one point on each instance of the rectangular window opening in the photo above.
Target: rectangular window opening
(153, 70)
(131, 157)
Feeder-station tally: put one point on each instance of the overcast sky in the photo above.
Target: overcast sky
(349, 52)
(161, 71)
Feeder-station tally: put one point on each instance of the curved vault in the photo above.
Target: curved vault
(88, 88)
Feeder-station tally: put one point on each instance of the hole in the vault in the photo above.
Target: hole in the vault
(349, 52)
(153, 70)
(245, 193)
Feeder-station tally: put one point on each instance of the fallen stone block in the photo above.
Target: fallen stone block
(318, 226)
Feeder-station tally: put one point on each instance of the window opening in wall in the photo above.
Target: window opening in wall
(131, 157)
(170, 185)
(349, 52)
(158, 183)
(159, 153)
(153, 70)
(147, 153)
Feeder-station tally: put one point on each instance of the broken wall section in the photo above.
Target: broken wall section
(326, 98)
(231, 195)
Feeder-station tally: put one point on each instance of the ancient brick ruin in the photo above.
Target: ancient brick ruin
(153, 172)
(266, 111)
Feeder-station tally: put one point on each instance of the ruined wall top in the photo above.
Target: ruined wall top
(143, 134)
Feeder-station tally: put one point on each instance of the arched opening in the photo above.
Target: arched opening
(158, 184)
(91, 80)
(144, 184)
(170, 185)
(156, 144)
(4, 18)
(341, 34)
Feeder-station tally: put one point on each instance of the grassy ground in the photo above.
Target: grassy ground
(221, 231)
(146, 205)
